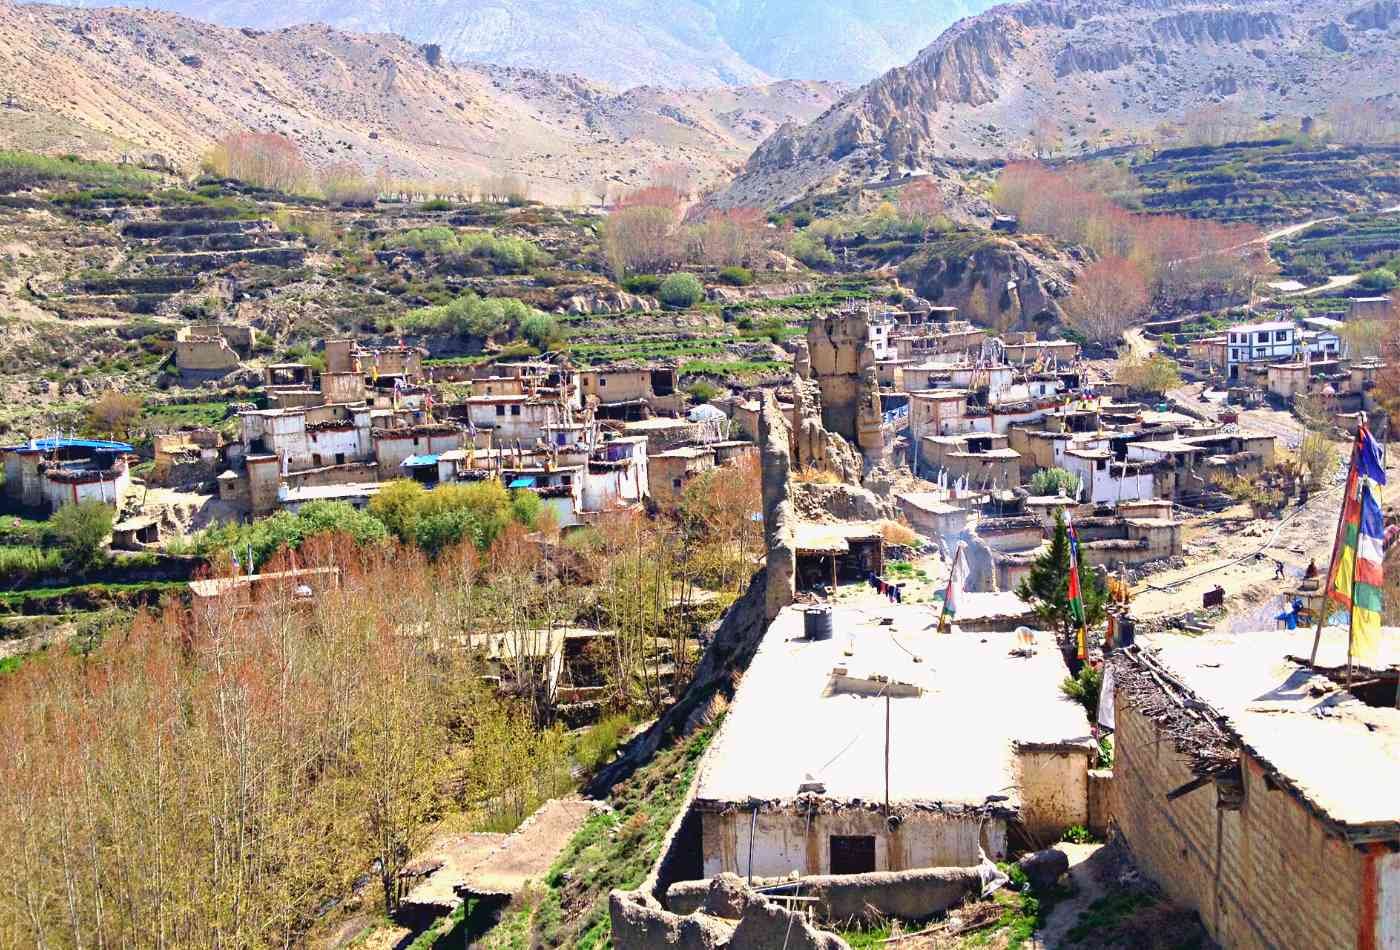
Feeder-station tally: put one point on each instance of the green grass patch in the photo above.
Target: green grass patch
(732, 368)
(26, 169)
(1108, 913)
(861, 938)
(10, 663)
(15, 598)
(189, 413)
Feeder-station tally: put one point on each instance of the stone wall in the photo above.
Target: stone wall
(908, 895)
(1053, 784)
(1266, 875)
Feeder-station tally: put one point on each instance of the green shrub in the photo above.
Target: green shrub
(436, 204)
(82, 530)
(596, 747)
(702, 391)
(681, 291)
(541, 331)
(1378, 280)
(810, 250)
(436, 533)
(468, 315)
(1054, 481)
(1084, 689)
(736, 276)
(642, 284)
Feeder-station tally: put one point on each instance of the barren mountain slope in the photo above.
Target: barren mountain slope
(1092, 73)
(632, 42)
(110, 82)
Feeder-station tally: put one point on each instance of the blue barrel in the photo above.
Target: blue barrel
(816, 622)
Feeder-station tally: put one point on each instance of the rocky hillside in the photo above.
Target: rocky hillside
(1083, 74)
(113, 82)
(633, 42)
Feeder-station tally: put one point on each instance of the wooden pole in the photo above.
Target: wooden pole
(1332, 562)
(887, 751)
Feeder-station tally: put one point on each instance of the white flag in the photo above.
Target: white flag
(1106, 698)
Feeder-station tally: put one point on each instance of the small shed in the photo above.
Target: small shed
(135, 534)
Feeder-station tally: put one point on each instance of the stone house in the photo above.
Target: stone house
(983, 458)
(211, 350)
(632, 392)
(670, 471)
(1254, 789)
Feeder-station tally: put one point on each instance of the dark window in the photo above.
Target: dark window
(1281, 335)
(852, 854)
(515, 410)
(316, 458)
(340, 458)
(1101, 465)
(675, 483)
(602, 380)
(500, 410)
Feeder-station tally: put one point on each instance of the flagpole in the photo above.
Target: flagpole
(1332, 563)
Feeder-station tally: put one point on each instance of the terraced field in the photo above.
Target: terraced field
(1271, 182)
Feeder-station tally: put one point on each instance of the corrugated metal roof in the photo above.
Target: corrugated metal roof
(49, 445)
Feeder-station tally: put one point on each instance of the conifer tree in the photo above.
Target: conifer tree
(1046, 587)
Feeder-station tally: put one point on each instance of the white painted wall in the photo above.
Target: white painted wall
(781, 841)
(1388, 902)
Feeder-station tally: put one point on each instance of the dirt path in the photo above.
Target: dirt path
(526, 855)
(1335, 282)
(1087, 889)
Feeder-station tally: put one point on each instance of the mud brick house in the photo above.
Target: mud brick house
(211, 350)
(632, 392)
(796, 780)
(51, 473)
(1252, 787)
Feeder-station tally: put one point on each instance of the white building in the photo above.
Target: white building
(312, 437)
(617, 475)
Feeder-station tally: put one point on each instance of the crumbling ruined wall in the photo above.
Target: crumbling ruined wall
(813, 445)
(731, 916)
(837, 347)
(779, 517)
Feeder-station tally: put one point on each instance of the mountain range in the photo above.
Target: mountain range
(114, 82)
(1076, 76)
(631, 42)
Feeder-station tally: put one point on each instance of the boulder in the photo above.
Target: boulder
(728, 897)
(1044, 868)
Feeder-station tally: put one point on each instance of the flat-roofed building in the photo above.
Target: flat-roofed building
(795, 781)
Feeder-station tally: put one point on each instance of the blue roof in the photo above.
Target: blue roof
(524, 481)
(419, 461)
(49, 445)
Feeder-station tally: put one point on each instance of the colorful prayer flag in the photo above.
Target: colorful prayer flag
(1357, 568)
